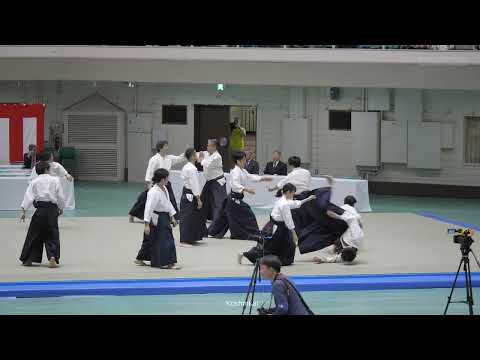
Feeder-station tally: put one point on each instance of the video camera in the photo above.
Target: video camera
(463, 237)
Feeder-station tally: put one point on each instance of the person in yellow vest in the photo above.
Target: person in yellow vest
(237, 137)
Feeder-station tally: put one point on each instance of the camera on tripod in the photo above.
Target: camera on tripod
(463, 237)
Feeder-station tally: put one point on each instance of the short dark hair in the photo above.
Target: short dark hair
(45, 155)
(271, 261)
(159, 175)
(189, 153)
(237, 156)
(350, 200)
(294, 161)
(31, 147)
(278, 152)
(41, 167)
(161, 144)
(286, 188)
(349, 254)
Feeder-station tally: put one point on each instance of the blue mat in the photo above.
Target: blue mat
(229, 285)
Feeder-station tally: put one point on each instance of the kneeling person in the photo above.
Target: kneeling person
(346, 248)
(45, 193)
(284, 239)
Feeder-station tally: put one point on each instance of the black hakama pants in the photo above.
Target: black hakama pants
(138, 209)
(43, 231)
(237, 216)
(213, 196)
(280, 244)
(192, 220)
(172, 200)
(163, 250)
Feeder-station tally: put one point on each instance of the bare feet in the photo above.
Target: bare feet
(317, 260)
(139, 262)
(171, 267)
(131, 219)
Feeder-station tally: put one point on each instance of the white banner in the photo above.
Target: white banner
(29, 133)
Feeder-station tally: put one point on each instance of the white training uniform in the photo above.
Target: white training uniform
(191, 180)
(44, 188)
(300, 178)
(68, 190)
(353, 236)
(157, 200)
(56, 169)
(212, 166)
(239, 178)
(282, 211)
(157, 161)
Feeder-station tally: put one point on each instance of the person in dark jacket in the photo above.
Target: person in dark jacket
(288, 300)
(276, 166)
(252, 165)
(29, 159)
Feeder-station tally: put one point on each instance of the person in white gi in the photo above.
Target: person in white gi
(214, 191)
(350, 242)
(66, 180)
(163, 161)
(45, 194)
(298, 177)
(192, 218)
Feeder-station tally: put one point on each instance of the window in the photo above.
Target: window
(174, 114)
(340, 120)
(472, 140)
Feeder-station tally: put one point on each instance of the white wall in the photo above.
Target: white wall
(331, 151)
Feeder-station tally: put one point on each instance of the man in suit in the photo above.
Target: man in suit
(252, 165)
(276, 167)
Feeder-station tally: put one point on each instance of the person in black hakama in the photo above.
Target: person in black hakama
(214, 191)
(236, 214)
(284, 240)
(45, 193)
(192, 217)
(159, 218)
(322, 230)
(138, 211)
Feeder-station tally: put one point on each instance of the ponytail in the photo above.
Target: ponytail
(286, 188)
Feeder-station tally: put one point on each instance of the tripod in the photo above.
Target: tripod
(465, 261)
(253, 281)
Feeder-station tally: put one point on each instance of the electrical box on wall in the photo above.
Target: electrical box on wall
(333, 93)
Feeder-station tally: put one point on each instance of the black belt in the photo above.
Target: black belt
(235, 195)
(44, 204)
(160, 212)
(187, 191)
(217, 178)
(278, 223)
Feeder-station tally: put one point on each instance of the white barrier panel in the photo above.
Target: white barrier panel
(4, 140)
(29, 132)
(264, 198)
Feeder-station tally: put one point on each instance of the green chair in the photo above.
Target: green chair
(68, 158)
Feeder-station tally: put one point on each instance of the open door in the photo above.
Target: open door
(213, 122)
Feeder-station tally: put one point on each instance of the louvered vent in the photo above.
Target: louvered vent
(92, 129)
(95, 163)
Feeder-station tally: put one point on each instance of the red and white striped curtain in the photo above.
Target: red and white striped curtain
(20, 126)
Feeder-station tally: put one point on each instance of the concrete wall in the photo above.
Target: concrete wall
(331, 151)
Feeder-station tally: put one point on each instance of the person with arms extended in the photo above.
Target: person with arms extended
(288, 300)
(159, 216)
(236, 214)
(163, 161)
(284, 239)
(45, 194)
(192, 218)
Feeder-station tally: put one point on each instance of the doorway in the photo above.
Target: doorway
(213, 122)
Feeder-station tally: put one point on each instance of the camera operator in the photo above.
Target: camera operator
(288, 300)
